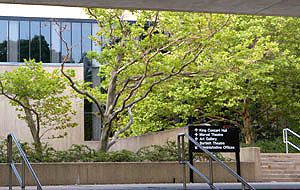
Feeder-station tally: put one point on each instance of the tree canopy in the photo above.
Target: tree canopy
(257, 85)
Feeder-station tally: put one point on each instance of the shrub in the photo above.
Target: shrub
(82, 153)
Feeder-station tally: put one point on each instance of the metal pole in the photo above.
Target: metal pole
(191, 159)
(211, 173)
(9, 160)
(179, 150)
(23, 174)
(184, 169)
(286, 141)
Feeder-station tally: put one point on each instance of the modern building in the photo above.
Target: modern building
(32, 32)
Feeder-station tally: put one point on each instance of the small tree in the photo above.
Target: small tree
(39, 98)
(139, 56)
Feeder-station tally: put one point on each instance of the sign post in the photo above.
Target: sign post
(214, 139)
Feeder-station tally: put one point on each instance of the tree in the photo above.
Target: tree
(258, 86)
(39, 98)
(137, 57)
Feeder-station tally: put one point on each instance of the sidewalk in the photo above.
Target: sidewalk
(177, 186)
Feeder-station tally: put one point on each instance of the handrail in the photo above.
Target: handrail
(182, 160)
(286, 140)
(11, 137)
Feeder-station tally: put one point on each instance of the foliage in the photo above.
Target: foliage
(82, 153)
(255, 86)
(39, 98)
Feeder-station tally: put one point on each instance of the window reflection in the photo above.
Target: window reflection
(95, 47)
(13, 41)
(76, 42)
(35, 32)
(55, 41)
(3, 40)
(86, 41)
(24, 41)
(86, 46)
(45, 42)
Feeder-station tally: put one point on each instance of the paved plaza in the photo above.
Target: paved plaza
(177, 186)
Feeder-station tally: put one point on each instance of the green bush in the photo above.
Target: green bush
(82, 153)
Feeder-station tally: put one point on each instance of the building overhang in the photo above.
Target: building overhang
(252, 7)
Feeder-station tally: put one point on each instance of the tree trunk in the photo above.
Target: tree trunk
(33, 129)
(105, 132)
(106, 128)
(247, 130)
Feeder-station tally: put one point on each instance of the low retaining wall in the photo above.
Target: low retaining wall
(122, 173)
(136, 142)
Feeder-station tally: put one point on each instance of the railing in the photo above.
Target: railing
(181, 159)
(12, 168)
(286, 140)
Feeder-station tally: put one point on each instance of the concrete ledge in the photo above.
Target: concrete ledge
(121, 173)
(134, 143)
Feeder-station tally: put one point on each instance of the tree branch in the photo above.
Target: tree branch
(174, 73)
(72, 83)
(114, 140)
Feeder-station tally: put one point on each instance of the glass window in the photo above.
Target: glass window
(67, 37)
(13, 41)
(95, 29)
(86, 41)
(76, 42)
(35, 32)
(24, 40)
(3, 40)
(86, 46)
(55, 41)
(45, 42)
(95, 47)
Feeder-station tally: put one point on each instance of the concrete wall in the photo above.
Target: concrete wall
(9, 123)
(137, 142)
(249, 154)
(122, 173)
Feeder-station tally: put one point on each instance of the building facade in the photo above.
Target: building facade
(37, 37)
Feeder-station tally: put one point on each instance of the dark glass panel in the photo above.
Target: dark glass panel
(55, 43)
(24, 40)
(67, 37)
(45, 42)
(76, 42)
(3, 40)
(13, 41)
(88, 120)
(35, 45)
